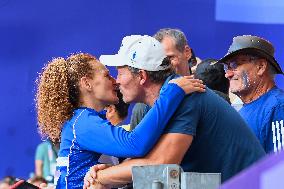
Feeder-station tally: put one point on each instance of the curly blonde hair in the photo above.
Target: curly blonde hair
(58, 92)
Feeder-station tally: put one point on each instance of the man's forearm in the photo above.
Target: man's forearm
(38, 167)
(169, 150)
(121, 174)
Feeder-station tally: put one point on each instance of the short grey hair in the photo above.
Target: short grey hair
(176, 34)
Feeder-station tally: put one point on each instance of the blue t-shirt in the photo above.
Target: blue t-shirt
(222, 142)
(87, 135)
(265, 117)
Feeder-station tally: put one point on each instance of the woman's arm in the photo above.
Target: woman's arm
(106, 139)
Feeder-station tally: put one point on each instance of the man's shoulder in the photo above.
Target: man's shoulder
(278, 95)
(276, 102)
(42, 148)
(44, 144)
(271, 99)
(197, 97)
(190, 111)
(266, 107)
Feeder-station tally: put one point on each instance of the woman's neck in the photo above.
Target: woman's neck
(93, 104)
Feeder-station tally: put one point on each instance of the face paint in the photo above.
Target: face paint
(245, 79)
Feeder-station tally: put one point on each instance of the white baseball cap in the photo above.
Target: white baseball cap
(142, 52)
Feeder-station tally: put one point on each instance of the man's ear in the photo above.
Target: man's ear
(187, 52)
(85, 83)
(262, 66)
(143, 77)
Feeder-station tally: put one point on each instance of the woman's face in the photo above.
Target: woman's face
(103, 85)
(128, 85)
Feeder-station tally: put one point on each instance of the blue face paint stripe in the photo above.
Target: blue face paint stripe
(245, 81)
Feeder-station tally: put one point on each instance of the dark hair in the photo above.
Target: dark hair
(156, 76)
(192, 61)
(121, 107)
(213, 75)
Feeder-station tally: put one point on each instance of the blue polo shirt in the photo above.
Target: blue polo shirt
(222, 142)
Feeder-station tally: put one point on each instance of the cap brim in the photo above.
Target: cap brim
(253, 51)
(112, 60)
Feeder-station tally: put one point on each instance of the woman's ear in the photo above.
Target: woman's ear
(85, 83)
(143, 77)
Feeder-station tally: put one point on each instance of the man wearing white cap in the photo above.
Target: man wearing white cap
(251, 68)
(182, 59)
(204, 135)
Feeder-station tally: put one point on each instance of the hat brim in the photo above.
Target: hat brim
(113, 60)
(255, 51)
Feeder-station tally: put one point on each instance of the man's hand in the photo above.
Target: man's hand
(44, 186)
(91, 175)
(97, 186)
(189, 84)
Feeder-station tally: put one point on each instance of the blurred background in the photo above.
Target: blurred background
(33, 31)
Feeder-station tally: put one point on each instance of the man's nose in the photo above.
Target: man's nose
(229, 74)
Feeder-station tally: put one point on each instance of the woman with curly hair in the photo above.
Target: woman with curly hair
(70, 96)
